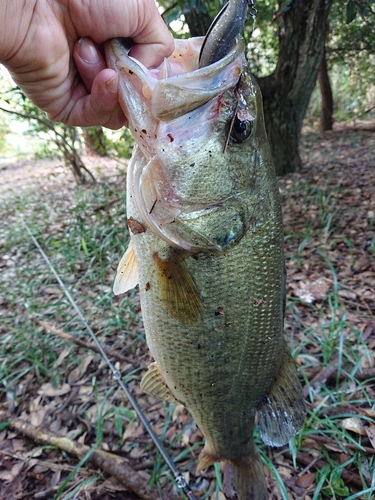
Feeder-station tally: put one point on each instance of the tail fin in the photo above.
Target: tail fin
(249, 480)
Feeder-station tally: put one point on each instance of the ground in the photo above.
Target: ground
(54, 388)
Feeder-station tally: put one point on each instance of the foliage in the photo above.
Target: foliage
(60, 140)
(350, 46)
(118, 144)
(176, 11)
(122, 142)
(3, 132)
(351, 54)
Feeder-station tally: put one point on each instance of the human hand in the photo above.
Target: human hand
(52, 49)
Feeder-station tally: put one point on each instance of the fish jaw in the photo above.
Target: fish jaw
(171, 118)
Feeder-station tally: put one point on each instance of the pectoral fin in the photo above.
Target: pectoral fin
(127, 272)
(282, 413)
(178, 290)
(154, 384)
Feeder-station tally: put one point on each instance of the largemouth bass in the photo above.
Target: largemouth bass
(207, 252)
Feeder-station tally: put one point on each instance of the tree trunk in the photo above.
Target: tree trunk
(197, 18)
(286, 92)
(326, 109)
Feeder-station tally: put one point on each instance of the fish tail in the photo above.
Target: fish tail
(248, 477)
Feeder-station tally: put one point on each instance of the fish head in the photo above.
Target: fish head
(195, 131)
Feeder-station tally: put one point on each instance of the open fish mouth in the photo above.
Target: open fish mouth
(173, 110)
(179, 85)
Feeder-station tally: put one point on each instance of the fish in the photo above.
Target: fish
(206, 249)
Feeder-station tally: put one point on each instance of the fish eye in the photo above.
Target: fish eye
(241, 130)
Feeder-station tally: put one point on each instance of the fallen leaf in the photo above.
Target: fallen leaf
(361, 264)
(354, 424)
(370, 431)
(218, 496)
(306, 480)
(347, 294)
(36, 417)
(49, 391)
(9, 475)
(132, 431)
(311, 291)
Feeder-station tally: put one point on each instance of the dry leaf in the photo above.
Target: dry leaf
(36, 417)
(311, 291)
(354, 424)
(285, 471)
(347, 294)
(306, 480)
(74, 375)
(63, 354)
(49, 391)
(132, 431)
(53, 290)
(370, 431)
(361, 264)
(9, 475)
(219, 496)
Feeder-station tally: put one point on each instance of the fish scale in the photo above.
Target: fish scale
(209, 261)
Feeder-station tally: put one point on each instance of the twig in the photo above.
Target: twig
(330, 373)
(92, 347)
(112, 464)
(51, 127)
(323, 375)
(347, 476)
(308, 467)
(350, 446)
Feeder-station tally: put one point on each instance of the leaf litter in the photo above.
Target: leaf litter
(61, 387)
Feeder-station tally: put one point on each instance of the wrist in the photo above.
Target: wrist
(15, 17)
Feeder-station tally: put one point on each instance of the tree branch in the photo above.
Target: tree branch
(70, 338)
(110, 463)
(65, 143)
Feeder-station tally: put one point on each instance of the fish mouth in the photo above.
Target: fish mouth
(178, 85)
(174, 112)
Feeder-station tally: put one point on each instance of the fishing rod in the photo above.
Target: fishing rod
(180, 480)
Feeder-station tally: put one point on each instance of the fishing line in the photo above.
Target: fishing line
(180, 480)
(252, 12)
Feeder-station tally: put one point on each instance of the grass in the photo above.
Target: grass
(83, 232)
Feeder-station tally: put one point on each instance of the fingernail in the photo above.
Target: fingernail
(88, 52)
(112, 85)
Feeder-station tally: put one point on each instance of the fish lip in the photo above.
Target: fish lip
(117, 53)
(167, 98)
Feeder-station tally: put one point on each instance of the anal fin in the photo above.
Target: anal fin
(153, 383)
(127, 272)
(206, 458)
(282, 413)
